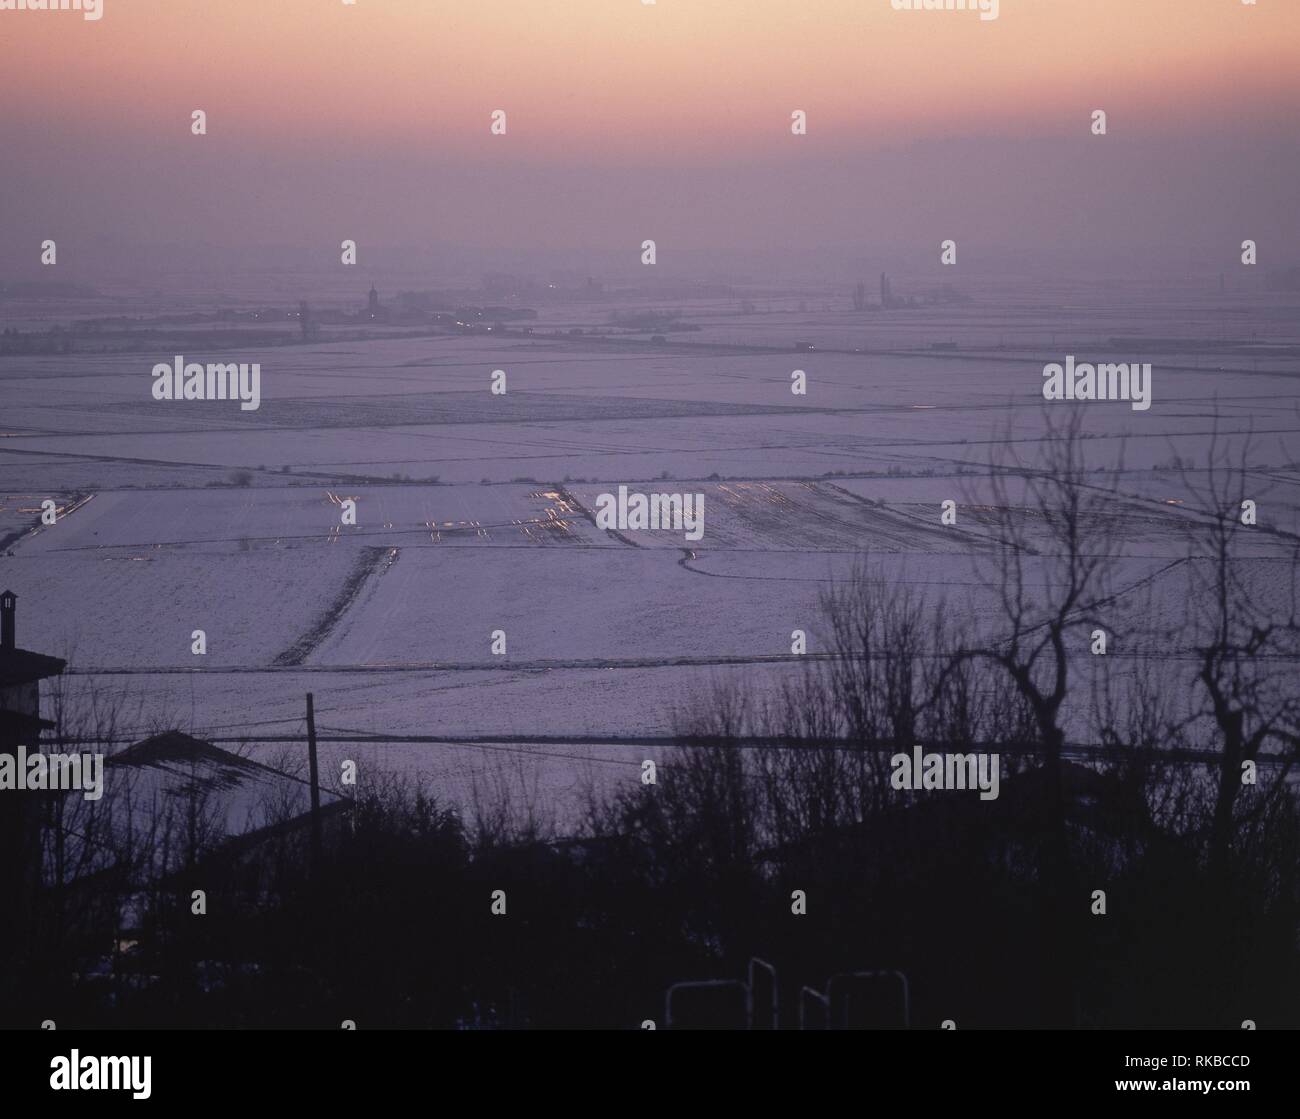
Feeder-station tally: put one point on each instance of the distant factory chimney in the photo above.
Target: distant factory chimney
(8, 605)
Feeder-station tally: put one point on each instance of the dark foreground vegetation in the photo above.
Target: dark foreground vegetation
(1157, 775)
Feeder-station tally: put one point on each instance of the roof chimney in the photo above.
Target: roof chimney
(8, 601)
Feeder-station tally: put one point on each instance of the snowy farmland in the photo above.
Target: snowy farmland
(475, 514)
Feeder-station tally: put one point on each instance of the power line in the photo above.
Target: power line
(517, 743)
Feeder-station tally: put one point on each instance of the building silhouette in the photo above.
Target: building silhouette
(21, 673)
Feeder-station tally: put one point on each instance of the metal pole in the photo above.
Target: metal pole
(315, 785)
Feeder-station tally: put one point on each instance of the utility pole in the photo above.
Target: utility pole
(315, 786)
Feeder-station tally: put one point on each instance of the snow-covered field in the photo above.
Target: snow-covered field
(475, 512)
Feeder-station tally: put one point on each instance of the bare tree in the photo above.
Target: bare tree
(1244, 623)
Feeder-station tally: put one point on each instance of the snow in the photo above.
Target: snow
(474, 511)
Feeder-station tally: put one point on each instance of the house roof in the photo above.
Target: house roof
(19, 666)
(170, 786)
(246, 795)
(16, 724)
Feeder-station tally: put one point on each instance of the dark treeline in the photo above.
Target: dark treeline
(989, 907)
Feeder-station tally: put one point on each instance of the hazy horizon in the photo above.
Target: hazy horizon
(665, 121)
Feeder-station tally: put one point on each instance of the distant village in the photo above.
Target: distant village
(412, 312)
(407, 314)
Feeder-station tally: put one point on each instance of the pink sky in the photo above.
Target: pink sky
(324, 115)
